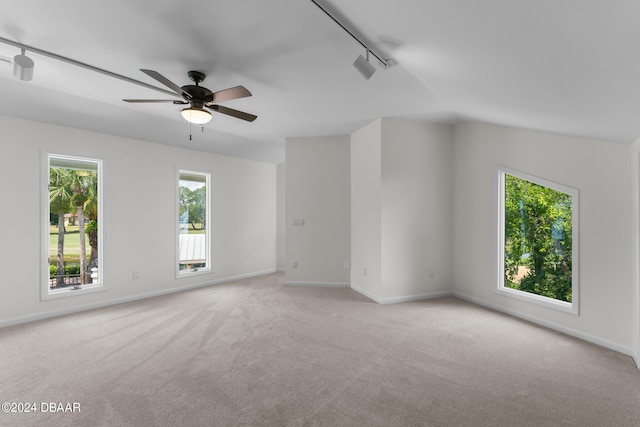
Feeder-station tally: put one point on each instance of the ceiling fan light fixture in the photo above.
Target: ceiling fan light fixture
(23, 67)
(197, 116)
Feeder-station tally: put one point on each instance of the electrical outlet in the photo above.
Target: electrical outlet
(294, 264)
(136, 274)
(364, 273)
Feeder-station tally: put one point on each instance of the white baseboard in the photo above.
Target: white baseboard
(317, 284)
(572, 332)
(418, 297)
(92, 306)
(367, 294)
(398, 299)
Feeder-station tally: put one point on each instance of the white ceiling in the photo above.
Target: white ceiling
(570, 66)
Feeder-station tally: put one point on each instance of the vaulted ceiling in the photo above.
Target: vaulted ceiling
(570, 67)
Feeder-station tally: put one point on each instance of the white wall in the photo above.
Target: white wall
(139, 216)
(602, 172)
(318, 192)
(635, 233)
(417, 184)
(281, 253)
(366, 204)
(401, 210)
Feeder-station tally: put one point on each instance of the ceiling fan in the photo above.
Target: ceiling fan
(200, 98)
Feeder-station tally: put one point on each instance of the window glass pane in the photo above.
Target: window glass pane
(193, 246)
(538, 232)
(74, 237)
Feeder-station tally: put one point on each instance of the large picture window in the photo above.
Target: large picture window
(538, 240)
(194, 247)
(72, 226)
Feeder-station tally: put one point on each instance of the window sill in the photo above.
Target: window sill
(189, 273)
(567, 307)
(72, 291)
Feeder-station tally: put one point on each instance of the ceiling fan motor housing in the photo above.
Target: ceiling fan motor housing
(197, 94)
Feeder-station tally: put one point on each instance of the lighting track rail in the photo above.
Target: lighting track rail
(353, 32)
(82, 65)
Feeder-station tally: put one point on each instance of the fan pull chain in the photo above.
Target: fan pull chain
(191, 133)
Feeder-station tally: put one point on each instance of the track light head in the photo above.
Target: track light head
(23, 67)
(364, 67)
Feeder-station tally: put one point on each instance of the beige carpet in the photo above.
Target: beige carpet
(257, 353)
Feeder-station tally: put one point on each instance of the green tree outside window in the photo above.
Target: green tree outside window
(537, 239)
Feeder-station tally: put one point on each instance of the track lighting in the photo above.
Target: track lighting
(23, 67)
(361, 64)
(196, 116)
(364, 67)
(23, 64)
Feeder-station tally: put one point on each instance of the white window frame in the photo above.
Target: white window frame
(208, 268)
(46, 293)
(572, 307)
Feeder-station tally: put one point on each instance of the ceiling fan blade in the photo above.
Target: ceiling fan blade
(229, 94)
(174, 101)
(165, 81)
(233, 113)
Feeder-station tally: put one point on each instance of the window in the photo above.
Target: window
(72, 226)
(538, 241)
(194, 247)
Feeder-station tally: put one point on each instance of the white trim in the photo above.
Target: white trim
(636, 169)
(45, 291)
(208, 269)
(317, 284)
(537, 299)
(116, 301)
(45, 270)
(71, 291)
(399, 299)
(367, 294)
(418, 297)
(574, 306)
(554, 326)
